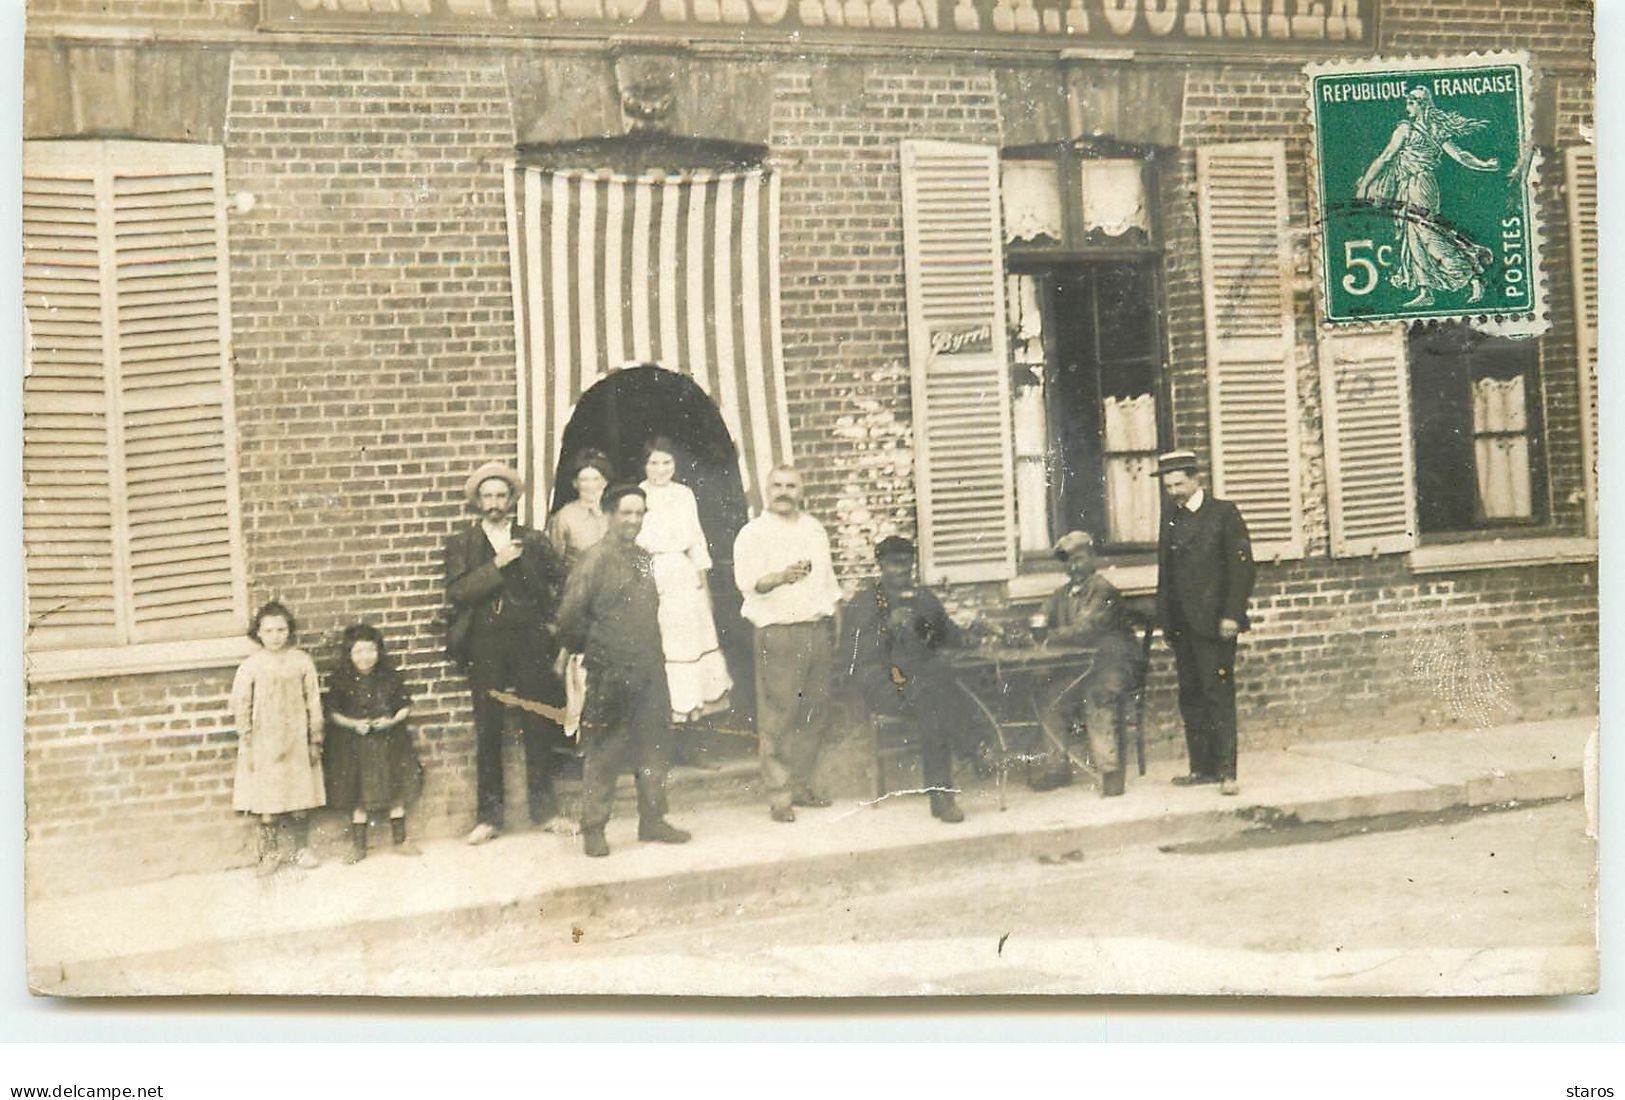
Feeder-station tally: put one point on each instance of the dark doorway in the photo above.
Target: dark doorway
(623, 412)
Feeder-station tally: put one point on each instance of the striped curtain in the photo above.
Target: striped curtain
(680, 271)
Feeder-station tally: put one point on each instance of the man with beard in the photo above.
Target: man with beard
(783, 568)
(610, 614)
(1204, 579)
(503, 580)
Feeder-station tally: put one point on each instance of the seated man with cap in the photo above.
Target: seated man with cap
(895, 633)
(504, 581)
(1086, 611)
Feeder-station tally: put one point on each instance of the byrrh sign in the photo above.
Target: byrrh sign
(1335, 25)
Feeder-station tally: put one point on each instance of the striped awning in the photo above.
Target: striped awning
(679, 271)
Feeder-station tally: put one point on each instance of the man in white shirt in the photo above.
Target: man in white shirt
(783, 568)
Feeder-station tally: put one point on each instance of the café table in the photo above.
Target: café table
(1003, 681)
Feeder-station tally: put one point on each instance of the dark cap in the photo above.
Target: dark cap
(893, 546)
(613, 495)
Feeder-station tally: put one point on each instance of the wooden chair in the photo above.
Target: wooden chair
(1131, 704)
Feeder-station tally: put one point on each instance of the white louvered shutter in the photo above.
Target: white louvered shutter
(1247, 300)
(161, 403)
(71, 568)
(961, 397)
(1363, 387)
(1581, 166)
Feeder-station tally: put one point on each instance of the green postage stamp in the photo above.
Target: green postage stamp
(1424, 180)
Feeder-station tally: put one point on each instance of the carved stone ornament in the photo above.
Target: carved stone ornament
(648, 90)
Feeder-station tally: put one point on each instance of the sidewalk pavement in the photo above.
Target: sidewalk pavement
(114, 941)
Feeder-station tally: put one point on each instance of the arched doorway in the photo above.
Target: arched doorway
(621, 413)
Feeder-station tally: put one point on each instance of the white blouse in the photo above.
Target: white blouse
(672, 525)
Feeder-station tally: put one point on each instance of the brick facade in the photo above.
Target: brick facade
(373, 339)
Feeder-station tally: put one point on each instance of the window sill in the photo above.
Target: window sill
(1137, 579)
(46, 666)
(1459, 557)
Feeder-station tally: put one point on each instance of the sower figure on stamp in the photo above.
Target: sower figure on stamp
(896, 632)
(783, 568)
(611, 614)
(503, 581)
(1204, 579)
(1086, 611)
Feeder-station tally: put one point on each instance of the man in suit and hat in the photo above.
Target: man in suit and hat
(1204, 579)
(504, 580)
(1086, 611)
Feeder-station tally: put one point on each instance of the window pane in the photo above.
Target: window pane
(1475, 422)
(1127, 325)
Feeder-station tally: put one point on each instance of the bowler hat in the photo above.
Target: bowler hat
(1073, 541)
(471, 487)
(1170, 461)
(893, 546)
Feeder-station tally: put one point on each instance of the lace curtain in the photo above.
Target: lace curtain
(1114, 197)
(1501, 447)
(1131, 490)
(1032, 201)
(1030, 419)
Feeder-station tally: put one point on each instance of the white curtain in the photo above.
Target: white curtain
(1030, 420)
(1031, 191)
(1131, 490)
(1503, 459)
(1114, 196)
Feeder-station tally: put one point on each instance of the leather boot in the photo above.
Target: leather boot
(593, 843)
(358, 842)
(266, 842)
(397, 836)
(303, 857)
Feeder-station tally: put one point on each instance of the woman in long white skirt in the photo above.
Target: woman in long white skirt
(696, 671)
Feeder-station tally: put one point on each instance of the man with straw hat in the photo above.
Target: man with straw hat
(504, 580)
(1204, 579)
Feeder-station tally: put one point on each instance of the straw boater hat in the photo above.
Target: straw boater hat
(471, 487)
(1170, 461)
(1071, 542)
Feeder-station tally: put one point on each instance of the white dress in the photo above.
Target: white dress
(696, 672)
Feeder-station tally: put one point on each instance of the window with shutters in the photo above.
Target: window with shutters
(1084, 311)
(1476, 432)
(130, 515)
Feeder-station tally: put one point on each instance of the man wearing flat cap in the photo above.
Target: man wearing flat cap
(504, 581)
(896, 631)
(1204, 579)
(1086, 611)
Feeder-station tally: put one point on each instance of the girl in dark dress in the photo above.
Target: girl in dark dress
(371, 765)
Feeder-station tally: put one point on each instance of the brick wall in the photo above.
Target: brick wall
(837, 129)
(374, 366)
(373, 346)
